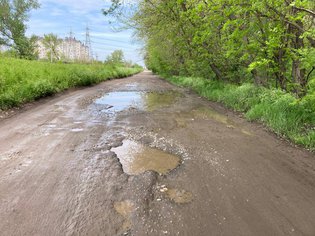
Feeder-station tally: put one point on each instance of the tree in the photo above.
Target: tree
(13, 15)
(116, 57)
(51, 42)
(271, 42)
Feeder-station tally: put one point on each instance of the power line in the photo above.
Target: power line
(111, 40)
(115, 46)
(88, 43)
(111, 49)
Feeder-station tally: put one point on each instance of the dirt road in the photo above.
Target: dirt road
(139, 156)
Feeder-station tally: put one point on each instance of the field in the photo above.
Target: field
(23, 81)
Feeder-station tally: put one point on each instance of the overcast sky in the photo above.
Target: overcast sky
(62, 16)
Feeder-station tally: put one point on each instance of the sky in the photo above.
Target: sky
(62, 16)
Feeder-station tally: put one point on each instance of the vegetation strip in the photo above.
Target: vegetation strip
(283, 113)
(23, 81)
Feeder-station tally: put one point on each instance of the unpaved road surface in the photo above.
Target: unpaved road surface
(138, 156)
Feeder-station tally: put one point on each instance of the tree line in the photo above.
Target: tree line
(13, 15)
(268, 42)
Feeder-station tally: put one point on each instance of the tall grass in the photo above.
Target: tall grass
(23, 81)
(283, 113)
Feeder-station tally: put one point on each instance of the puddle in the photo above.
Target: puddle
(207, 113)
(76, 130)
(132, 86)
(119, 101)
(179, 196)
(125, 209)
(155, 100)
(137, 158)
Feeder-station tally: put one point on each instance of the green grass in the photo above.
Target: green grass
(283, 113)
(23, 81)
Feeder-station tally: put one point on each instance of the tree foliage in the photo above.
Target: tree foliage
(51, 42)
(13, 15)
(116, 58)
(269, 42)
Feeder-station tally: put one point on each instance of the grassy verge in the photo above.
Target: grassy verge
(281, 112)
(24, 81)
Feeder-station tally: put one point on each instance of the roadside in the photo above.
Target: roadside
(289, 117)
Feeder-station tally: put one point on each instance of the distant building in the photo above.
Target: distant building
(70, 49)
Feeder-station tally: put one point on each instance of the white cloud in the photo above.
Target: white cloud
(59, 16)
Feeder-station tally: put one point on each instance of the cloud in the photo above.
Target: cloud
(61, 16)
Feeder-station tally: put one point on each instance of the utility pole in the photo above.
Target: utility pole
(70, 44)
(96, 57)
(88, 44)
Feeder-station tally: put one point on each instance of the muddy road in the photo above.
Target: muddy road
(139, 156)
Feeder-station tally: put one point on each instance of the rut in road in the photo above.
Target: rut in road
(139, 156)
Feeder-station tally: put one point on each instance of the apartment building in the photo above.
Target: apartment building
(70, 49)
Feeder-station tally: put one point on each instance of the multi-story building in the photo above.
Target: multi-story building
(69, 49)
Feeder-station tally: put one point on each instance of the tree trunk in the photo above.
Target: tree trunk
(216, 71)
(298, 74)
(281, 70)
(257, 78)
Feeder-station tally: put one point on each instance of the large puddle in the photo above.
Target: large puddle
(119, 101)
(137, 158)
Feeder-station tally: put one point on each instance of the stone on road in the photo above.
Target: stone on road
(139, 156)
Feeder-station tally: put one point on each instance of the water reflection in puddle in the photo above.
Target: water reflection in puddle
(155, 100)
(119, 101)
(76, 130)
(137, 158)
(207, 113)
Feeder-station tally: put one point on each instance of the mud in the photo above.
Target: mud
(179, 196)
(125, 209)
(139, 156)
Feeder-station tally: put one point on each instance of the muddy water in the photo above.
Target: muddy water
(125, 209)
(154, 100)
(179, 196)
(137, 158)
(207, 113)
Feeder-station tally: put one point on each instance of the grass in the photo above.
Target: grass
(23, 81)
(286, 115)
